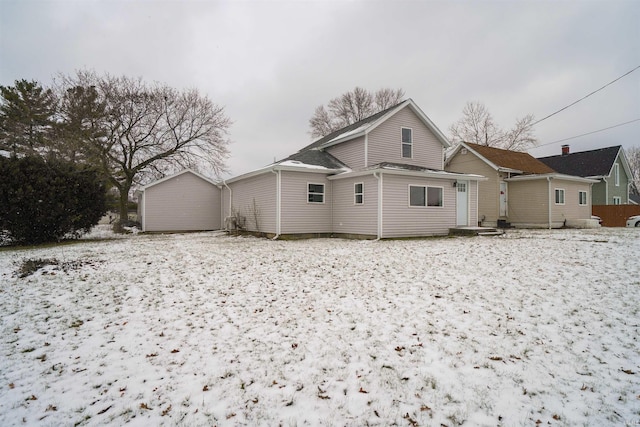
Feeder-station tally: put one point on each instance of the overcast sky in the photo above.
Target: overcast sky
(270, 63)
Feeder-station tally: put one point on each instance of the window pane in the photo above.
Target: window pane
(316, 188)
(406, 135)
(358, 199)
(406, 150)
(434, 196)
(358, 188)
(416, 196)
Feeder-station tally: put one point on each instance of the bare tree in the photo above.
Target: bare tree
(633, 156)
(351, 107)
(478, 126)
(144, 129)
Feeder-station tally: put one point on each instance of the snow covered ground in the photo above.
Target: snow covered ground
(534, 327)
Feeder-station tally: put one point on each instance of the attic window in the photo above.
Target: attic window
(463, 151)
(616, 174)
(407, 143)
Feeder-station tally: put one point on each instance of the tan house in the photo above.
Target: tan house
(521, 191)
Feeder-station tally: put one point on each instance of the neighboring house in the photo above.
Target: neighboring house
(634, 199)
(607, 165)
(380, 177)
(186, 201)
(522, 191)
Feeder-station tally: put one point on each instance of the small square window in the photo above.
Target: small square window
(315, 193)
(358, 192)
(559, 196)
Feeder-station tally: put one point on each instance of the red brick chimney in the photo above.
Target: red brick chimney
(565, 149)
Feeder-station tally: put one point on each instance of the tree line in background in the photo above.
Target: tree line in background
(123, 129)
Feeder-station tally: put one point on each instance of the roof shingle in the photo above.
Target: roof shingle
(511, 159)
(586, 163)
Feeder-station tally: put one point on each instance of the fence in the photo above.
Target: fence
(615, 215)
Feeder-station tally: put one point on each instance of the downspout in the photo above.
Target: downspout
(378, 176)
(366, 150)
(606, 190)
(224, 182)
(549, 191)
(278, 194)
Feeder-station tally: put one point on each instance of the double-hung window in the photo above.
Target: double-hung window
(616, 174)
(559, 196)
(315, 193)
(358, 193)
(425, 196)
(407, 143)
(582, 198)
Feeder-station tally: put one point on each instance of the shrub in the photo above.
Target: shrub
(45, 201)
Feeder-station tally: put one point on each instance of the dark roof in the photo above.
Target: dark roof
(356, 125)
(316, 158)
(586, 163)
(511, 159)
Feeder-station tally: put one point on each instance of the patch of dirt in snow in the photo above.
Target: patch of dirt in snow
(534, 327)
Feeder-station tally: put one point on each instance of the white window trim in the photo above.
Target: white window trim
(617, 199)
(555, 196)
(355, 193)
(616, 174)
(324, 193)
(586, 200)
(426, 196)
(402, 143)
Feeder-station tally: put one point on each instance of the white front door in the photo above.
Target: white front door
(462, 203)
(503, 199)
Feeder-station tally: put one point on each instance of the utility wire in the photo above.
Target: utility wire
(588, 133)
(584, 97)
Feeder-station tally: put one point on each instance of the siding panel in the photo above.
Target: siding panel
(385, 143)
(183, 203)
(351, 218)
(400, 220)
(297, 214)
(351, 153)
(254, 198)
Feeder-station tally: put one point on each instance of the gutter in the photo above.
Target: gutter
(278, 198)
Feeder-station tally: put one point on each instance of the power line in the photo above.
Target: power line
(588, 133)
(584, 97)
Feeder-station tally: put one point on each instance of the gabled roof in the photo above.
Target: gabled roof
(586, 163)
(166, 178)
(368, 124)
(506, 160)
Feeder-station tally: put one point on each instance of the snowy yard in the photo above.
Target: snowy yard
(534, 327)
